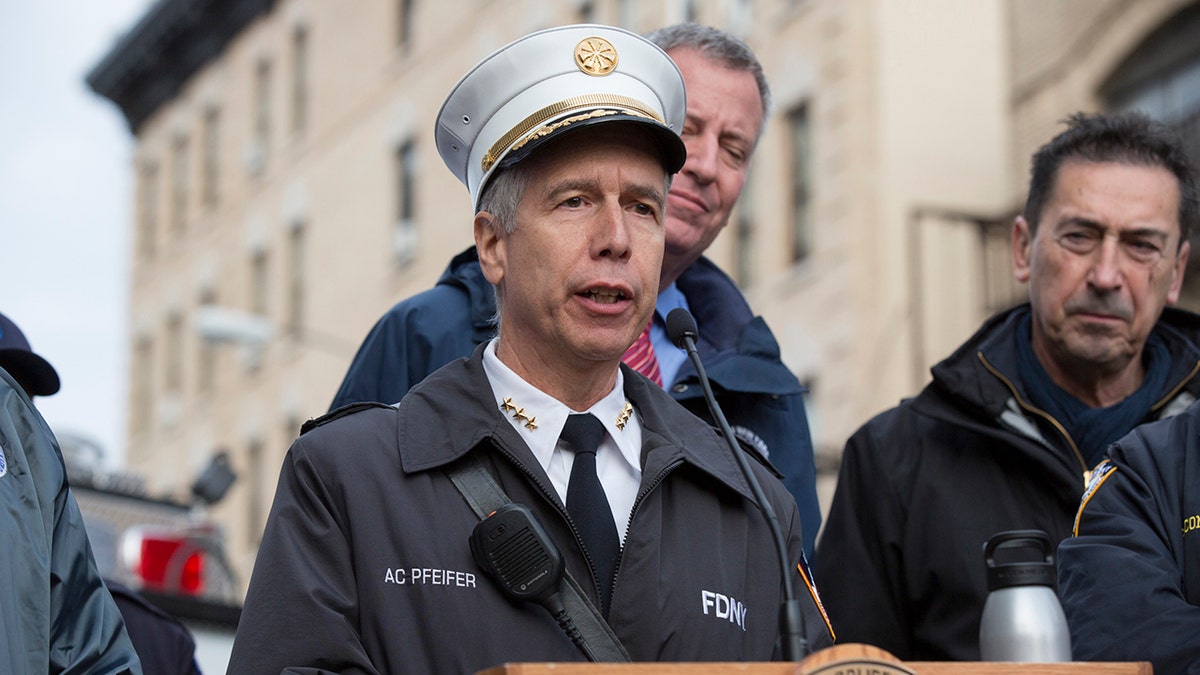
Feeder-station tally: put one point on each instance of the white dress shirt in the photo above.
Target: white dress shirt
(539, 419)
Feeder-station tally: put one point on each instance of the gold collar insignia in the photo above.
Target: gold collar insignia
(623, 418)
(518, 413)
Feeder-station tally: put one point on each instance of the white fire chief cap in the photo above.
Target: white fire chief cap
(554, 81)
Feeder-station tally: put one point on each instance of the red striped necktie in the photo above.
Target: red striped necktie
(640, 357)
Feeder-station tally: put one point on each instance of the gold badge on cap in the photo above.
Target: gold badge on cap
(595, 56)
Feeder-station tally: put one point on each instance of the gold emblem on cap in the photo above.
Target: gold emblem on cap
(595, 56)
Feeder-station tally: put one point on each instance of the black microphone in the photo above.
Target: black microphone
(681, 329)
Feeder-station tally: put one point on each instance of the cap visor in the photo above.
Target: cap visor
(31, 370)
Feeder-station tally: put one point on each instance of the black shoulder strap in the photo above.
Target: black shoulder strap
(484, 495)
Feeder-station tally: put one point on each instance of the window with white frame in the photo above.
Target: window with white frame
(800, 179)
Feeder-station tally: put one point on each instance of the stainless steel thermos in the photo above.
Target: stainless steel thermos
(1022, 617)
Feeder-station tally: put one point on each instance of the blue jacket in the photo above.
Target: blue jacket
(55, 613)
(1130, 577)
(761, 398)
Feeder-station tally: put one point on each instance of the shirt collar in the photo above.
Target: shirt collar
(539, 417)
(668, 299)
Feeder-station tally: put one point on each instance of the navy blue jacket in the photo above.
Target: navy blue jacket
(1130, 577)
(163, 644)
(760, 397)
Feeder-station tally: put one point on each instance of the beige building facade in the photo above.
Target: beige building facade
(289, 191)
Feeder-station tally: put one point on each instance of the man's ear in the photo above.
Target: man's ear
(1178, 269)
(490, 244)
(1022, 249)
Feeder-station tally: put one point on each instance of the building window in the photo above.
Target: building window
(405, 235)
(206, 352)
(627, 14)
(211, 167)
(262, 112)
(295, 288)
(1172, 97)
(404, 21)
(800, 230)
(259, 286)
(291, 428)
(1161, 78)
(586, 12)
(255, 522)
(744, 226)
(690, 13)
(147, 210)
(143, 384)
(299, 79)
(173, 367)
(179, 184)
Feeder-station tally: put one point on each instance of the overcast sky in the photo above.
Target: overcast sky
(65, 201)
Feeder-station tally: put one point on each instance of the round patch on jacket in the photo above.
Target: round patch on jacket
(753, 440)
(3, 463)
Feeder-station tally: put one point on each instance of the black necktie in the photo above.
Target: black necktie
(587, 504)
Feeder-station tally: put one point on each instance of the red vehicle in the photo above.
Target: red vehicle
(166, 550)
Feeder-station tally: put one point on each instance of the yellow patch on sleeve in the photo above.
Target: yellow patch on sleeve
(1100, 474)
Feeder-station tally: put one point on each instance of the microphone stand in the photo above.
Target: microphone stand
(681, 328)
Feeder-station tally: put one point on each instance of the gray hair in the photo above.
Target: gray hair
(502, 195)
(719, 46)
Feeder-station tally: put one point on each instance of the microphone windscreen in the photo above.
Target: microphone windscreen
(680, 324)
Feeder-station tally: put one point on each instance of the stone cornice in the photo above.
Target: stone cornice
(170, 43)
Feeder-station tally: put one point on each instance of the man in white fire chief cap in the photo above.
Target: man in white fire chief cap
(566, 140)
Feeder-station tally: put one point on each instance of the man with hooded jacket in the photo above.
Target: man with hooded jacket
(1005, 435)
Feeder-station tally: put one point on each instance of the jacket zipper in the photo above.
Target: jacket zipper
(551, 497)
(1179, 387)
(1079, 455)
(1037, 411)
(655, 482)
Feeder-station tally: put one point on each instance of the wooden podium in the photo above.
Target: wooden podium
(848, 659)
(918, 667)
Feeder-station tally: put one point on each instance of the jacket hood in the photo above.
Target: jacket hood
(463, 271)
(737, 348)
